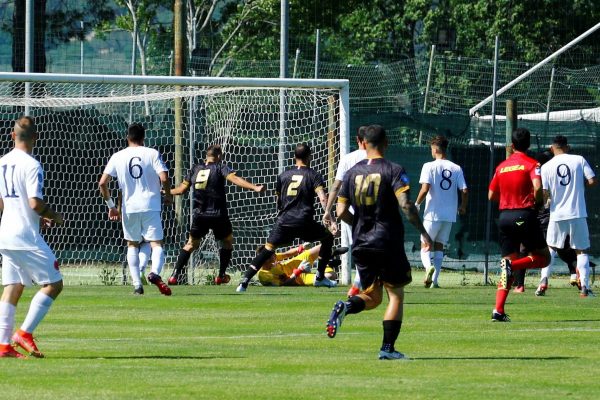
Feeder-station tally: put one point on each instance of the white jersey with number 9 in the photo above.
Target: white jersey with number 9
(136, 169)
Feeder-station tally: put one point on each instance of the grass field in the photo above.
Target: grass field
(207, 342)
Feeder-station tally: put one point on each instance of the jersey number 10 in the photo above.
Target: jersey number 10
(367, 189)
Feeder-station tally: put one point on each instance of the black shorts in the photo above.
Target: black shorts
(520, 227)
(282, 235)
(221, 226)
(391, 267)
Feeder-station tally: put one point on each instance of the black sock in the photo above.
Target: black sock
(248, 275)
(224, 260)
(324, 256)
(391, 330)
(182, 260)
(355, 304)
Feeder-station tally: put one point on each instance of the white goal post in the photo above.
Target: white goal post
(82, 120)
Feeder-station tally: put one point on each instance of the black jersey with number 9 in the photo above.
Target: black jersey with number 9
(207, 182)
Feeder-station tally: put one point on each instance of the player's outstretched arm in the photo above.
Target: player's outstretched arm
(335, 188)
(44, 210)
(166, 187)
(113, 213)
(412, 214)
(241, 182)
(181, 189)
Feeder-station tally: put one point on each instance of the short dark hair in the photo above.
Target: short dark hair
(521, 139)
(560, 141)
(543, 157)
(136, 133)
(302, 151)
(375, 135)
(214, 150)
(360, 134)
(25, 128)
(440, 141)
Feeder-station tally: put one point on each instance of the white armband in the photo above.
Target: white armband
(110, 203)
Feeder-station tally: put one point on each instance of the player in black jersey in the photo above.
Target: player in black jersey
(375, 187)
(295, 190)
(207, 181)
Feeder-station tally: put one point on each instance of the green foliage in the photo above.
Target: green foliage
(109, 276)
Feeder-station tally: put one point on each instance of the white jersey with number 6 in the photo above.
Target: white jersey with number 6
(21, 178)
(445, 179)
(564, 178)
(136, 169)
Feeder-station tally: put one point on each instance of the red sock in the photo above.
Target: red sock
(501, 295)
(532, 261)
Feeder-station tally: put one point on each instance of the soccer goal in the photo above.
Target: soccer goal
(82, 121)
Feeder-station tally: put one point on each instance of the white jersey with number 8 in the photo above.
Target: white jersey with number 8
(136, 169)
(445, 179)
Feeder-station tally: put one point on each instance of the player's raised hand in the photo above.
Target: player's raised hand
(260, 188)
(113, 214)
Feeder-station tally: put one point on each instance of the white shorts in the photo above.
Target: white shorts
(346, 234)
(577, 230)
(439, 231)
(27, 266)
(143, 225)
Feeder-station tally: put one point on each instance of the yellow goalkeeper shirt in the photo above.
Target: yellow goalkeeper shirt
(282, 270)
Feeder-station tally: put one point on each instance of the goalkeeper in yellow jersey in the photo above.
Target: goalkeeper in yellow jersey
(293, 267)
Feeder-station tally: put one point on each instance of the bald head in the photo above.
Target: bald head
(24, 129)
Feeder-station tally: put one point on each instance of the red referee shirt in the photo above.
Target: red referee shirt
(513, 180)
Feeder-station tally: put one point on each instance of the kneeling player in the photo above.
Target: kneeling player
(209, 211)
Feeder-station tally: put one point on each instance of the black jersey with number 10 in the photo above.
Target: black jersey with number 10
(370, 187)
(207, 183)
(296, 190)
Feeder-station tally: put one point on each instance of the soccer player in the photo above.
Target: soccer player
(140, 173)
(25, 255)
(375, 188)
(295, 191)
(346, 162)
(564, 178)
(440, 182)
(209, 211)
(517, 187)
(292, 268)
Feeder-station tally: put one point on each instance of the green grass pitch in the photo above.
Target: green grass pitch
(207, 342)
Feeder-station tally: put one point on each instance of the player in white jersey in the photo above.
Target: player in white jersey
(26, 257)
(440, 181)
(563, 179)
(346, 162)
(141, 174)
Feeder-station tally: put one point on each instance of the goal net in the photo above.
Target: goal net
(82, 120)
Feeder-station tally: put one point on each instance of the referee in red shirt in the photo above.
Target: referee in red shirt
(517, 186)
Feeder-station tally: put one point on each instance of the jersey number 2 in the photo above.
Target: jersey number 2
(293, 187)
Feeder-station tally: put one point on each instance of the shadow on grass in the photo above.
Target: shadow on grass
(497, 358)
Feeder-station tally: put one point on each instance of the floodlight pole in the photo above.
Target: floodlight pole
(29, 35)
(488, 220)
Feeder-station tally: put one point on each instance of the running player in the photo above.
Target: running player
(346, 162)
(564, 179)
(209, 211)
(375, 188)
(140, 173)
(440, 182)
(26, 257)
(517, 187)
(295, 190)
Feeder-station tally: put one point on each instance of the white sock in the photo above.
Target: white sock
(426, 259)
(158, 259)
(357, 280)
(583, 265)
(547, 270)
(7, 321)
(39, 307)
(133, 259)
(144, 256)
(438, 257)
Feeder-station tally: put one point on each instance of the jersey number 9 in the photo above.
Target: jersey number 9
(202, 179)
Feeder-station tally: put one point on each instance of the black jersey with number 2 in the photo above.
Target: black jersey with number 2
(207, 183)
(296, 190)
(370, 187)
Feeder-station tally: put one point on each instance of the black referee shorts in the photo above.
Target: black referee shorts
(520, 226)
